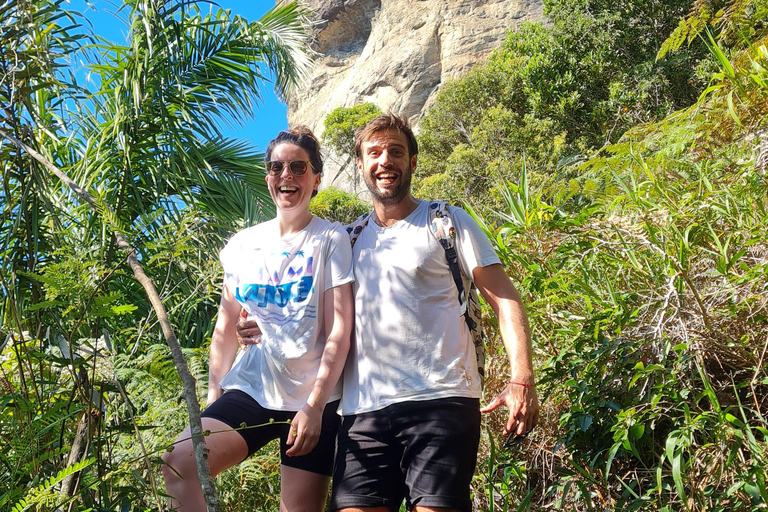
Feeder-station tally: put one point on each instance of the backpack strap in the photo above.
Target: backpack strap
(356, 227)
(442, 228)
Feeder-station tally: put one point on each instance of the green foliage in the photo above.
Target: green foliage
(647, 307)
(89, 396)
(736, 21)
(253, 484)
(341, 123)
(554, 94)
(336, 205)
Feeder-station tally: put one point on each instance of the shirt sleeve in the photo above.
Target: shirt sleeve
(338, 268)
(474, 248)
(228, 259)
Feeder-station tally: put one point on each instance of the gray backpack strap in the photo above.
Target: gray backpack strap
(442, 228)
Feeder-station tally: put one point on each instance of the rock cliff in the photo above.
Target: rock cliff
(396, 54)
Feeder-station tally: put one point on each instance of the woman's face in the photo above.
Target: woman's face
(288, 191)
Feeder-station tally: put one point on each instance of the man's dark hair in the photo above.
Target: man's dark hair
(304, 138)
(386, 121)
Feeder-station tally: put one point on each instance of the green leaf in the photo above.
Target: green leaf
(584, 423)
(124, 309)
(45, 305)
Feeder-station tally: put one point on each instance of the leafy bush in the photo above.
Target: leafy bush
(341, 123)
(336, 205)
(553, 95)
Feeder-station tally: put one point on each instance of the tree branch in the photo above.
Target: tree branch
(188, 381)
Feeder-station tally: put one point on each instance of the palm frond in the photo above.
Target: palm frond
(232, 187)
(283, 31)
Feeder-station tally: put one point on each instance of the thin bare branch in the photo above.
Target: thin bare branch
(188, 381)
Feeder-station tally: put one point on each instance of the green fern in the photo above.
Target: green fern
(42, 493)
(735, 21)
(701, 15)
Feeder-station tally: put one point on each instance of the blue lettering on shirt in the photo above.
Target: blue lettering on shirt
(280, 295)
(304, 287)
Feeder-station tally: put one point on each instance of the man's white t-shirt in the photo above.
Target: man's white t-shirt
(411, 342)
(281, 282)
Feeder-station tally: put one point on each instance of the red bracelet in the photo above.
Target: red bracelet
(521, 384)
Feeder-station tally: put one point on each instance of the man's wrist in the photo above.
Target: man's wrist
(522, 378)
(523, 384)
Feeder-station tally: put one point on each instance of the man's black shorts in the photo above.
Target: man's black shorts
(422, 451)
(236, 407)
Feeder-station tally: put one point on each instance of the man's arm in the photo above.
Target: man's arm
(338, 318)
(248, 331)
(223, 343)
(520, 394)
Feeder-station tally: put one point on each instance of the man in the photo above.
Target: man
(411, 399)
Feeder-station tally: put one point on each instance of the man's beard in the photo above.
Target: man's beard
(391, 197)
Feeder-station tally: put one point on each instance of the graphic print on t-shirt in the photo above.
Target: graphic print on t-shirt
(278, 285)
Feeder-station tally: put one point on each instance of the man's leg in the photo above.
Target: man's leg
(366, 476)
(440, 440)
(225, 449)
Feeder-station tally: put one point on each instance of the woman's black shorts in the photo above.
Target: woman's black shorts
(236, 407)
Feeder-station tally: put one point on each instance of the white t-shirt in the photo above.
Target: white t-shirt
(281, 282)
(411, 342)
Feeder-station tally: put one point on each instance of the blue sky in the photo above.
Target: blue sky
(270, 118)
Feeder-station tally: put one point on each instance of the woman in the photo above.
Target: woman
(293, 275)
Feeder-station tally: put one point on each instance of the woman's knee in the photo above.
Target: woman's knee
(226, 448)
(179, 463)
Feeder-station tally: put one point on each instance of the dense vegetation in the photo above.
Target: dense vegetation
(90, 393)
(617, 158)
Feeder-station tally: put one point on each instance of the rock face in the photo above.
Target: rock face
(396, 54)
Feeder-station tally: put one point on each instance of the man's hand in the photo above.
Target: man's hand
(305, 431)
(523, 405)
(248, 331)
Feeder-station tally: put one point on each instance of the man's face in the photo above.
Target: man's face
(386, 166)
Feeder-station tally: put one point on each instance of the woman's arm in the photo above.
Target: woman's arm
(338, 318)
(223, 343)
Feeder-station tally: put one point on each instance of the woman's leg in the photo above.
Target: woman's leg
(302, 491)
(225, 449)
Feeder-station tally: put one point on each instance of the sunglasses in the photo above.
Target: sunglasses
(297, 167)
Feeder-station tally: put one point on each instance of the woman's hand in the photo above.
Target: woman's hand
(305, 431)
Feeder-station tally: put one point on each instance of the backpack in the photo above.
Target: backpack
(442, 228)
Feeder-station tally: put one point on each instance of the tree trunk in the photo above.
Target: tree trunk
(188, 381)
(85, 428)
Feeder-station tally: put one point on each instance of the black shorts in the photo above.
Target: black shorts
(422, 451)
(236, 407)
